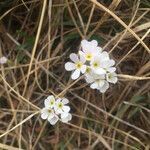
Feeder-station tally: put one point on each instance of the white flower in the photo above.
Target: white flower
(108, 65)
(56, 110)
(99, 62)
(3, 60)
(77, 66)
(65, 118)
(61, 107)
(49, 114)
(49, 102)
(102, 64)
(112, 77)
(89, 49)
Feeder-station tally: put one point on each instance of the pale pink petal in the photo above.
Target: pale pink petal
(47, 102)
(101, 83)
(94, 85)
(104, 56)
(69, 66)
(54, 120)
(66, 108)
(94, 43)
(66, 119)
(44, 115)
(65, 101)
(74, 57)
(104, 87)
(3, 60)
(89, 78)
(82, 59)
(51, 115)
(64, 115)
(111, 69)
(100, 71)
(113, 78)
(83, 69)
(75, 74)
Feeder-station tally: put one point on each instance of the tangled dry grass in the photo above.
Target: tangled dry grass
(37, 37)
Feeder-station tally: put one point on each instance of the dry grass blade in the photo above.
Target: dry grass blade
(122, 23)
(23, 121)
(37, 38)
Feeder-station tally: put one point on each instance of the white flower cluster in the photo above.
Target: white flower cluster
(96, 66)
(55, 110)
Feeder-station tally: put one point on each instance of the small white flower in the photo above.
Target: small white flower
(89, 49)
(77, 66)
(102, 64)
(61, 106)
(56, 110)
(3, 60)
(108, 65)
(65, 118)
(112, 77)
(49, 102)
(47, 113)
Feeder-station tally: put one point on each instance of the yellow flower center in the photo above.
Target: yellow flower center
(78, 65)
(60, 105)
(109, 76)
(88, 70)
(95, 64)
(52, 102)
(88, 56)
(49, 111)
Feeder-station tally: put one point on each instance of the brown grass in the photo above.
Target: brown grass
(37, 37)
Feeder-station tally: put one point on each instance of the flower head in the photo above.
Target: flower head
(112, 77)
(3, 60)
(56, 110)
(49, 114)
(89, 49)
(96, 66)
(61, 106)
(77, 66)
(49, 102)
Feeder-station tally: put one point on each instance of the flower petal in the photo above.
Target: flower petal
(74, 57)
(66, 109)
(101, 83)
(75, 74)
(51, 115)
(112, 77)
(44, 115)
(82, 59)
(69, 66)
(83, 69)
(65, 101)
(66, 119)
(64, 115)
(47, 102)
(89, 78)
(54, 120)
(94, 43)
(104, 87)
(111, 69)
(100, 71)
(94, 85)
(104, 56)
(3, 60)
